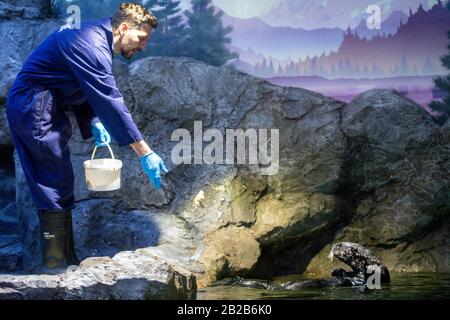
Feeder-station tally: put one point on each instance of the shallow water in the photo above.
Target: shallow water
(403, 286)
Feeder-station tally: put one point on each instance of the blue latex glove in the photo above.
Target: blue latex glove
(153, 165)
(101, 136)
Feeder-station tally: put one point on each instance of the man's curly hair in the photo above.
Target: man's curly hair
(135, 15)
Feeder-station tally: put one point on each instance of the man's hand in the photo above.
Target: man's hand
(101, 136)
(153, 165)
(150, 161)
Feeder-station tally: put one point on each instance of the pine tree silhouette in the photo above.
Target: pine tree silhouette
(168, 39)
(206, 38)
(428, 67)
(404, 66)
(443, 83)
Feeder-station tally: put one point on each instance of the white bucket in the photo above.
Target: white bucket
(102, 174)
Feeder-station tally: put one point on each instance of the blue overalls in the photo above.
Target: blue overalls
(70, 70)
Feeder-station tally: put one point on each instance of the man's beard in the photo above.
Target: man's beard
(126, 54)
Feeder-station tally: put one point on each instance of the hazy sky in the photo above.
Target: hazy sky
(252, 8)
(244, 8)
(238, 8)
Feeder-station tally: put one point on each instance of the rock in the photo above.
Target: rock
(365, 267)
(17, 38)
(98, 222)
(5, 136)
(9, 211)
(27, 221)
(126, 276)
(241, 195)
(25, 9)
(229, 250)
(398, 173)
(445, 133)
(7, 224)
(10, 253)
(22, 28)
(7, 184)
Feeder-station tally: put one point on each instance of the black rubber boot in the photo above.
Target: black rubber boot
(72, 258)
(57, 240)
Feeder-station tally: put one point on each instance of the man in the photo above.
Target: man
(71, 70)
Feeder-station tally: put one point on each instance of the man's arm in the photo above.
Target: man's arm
(86, 118)
(141, 148)
(89, 59)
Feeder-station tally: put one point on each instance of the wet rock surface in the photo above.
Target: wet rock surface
(366, 271)
(126, 276)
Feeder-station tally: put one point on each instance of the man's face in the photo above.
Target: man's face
(134, 39)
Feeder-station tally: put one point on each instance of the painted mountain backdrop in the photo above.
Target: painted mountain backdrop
(281, 42)
(412, 50)
(413, 47)
(327, 46)
(314, 14)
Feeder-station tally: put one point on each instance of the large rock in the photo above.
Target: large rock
(398, 174)
(10, 253)
(18, 38)
(5, 136)
(127, 276)
(25, 9)
(28, 221)
(224, 253)
(297, 205)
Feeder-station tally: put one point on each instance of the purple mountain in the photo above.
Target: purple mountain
(313, 14)
(281, 42)
(388, 26)
(415, 49)
(255, 40)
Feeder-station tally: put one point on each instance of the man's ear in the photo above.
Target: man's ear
(123, 28)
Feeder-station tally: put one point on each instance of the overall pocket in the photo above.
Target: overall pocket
(43, 103)
(41, 112)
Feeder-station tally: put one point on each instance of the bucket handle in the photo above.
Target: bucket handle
(110, 151)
